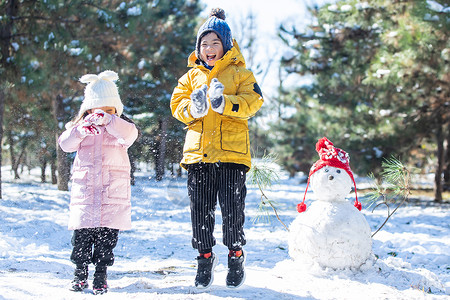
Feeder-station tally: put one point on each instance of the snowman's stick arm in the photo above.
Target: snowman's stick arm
(271, 205)
(385, 221)
(388, 208)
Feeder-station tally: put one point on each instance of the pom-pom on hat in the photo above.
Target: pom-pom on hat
(215, 23)
(101, 91)
(332, 157)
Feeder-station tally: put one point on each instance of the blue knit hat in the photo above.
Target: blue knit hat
(216, 23)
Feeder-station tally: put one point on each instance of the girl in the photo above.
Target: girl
(215, 99)
(100, 194)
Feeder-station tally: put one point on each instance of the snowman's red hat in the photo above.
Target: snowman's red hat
(332, 157)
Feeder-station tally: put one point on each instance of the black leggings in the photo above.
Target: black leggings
(206, 183)
(102, 239)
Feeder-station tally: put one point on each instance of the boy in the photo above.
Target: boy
(215, 98)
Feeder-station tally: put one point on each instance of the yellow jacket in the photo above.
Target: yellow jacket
(218, 137)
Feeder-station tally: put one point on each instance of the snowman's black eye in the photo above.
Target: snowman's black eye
(338, 171)
(326, 170)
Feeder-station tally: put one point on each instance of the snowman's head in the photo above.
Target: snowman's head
(330, 177)
(331, 184)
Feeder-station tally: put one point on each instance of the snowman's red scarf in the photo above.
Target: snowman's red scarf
(332, 157)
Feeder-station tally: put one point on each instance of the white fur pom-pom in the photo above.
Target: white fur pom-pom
(109, 75)
(88, 78)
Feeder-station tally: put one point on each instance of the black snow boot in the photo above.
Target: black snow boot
(236, 273)
(205, 271)
(79, 282)
(99, 285)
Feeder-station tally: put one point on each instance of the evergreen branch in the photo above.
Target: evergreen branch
(263, 176)
(399, 179)
(31, 17)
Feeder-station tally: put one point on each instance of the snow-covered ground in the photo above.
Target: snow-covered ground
(155, 259)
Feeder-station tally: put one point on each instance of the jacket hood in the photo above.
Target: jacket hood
(232, 56)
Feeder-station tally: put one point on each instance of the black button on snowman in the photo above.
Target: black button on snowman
(331, 232)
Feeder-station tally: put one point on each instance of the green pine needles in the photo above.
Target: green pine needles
(394, 189)
(263, 174)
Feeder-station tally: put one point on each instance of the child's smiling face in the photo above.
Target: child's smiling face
(211, 49)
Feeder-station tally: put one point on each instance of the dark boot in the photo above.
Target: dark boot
(236, 272)
(205, 271)
(99, 285)
(79, 282)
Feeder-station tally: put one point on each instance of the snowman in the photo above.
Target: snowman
(331, 232)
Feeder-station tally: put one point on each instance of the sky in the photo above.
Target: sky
(269, 15)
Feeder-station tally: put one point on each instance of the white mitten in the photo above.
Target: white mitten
(199, 104)
(86, 129)
(215, 93)
(98, 117)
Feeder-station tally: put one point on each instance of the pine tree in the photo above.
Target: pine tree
(52, 43)
(157, 58)
(381, 79)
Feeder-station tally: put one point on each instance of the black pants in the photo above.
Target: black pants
(206, 183)
(101, 239)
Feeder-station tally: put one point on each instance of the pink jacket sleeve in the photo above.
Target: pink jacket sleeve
(70, 140)
(124, 131)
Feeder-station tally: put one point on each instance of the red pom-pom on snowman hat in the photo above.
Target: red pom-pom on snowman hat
(332, 157)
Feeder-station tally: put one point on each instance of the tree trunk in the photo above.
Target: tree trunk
(53, 168)
(14, 160)
(24, 163)
(6, 27)
(43, 167)
(161, 153)
(446, 186)
(63, 168)
(63, 165)
(440, 164)
(20, 160)
(2, 109)
(133, 169)
(42, 163)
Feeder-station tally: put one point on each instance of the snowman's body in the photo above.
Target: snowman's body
(331, 232)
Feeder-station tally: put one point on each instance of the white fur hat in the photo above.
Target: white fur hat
(101, 91)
